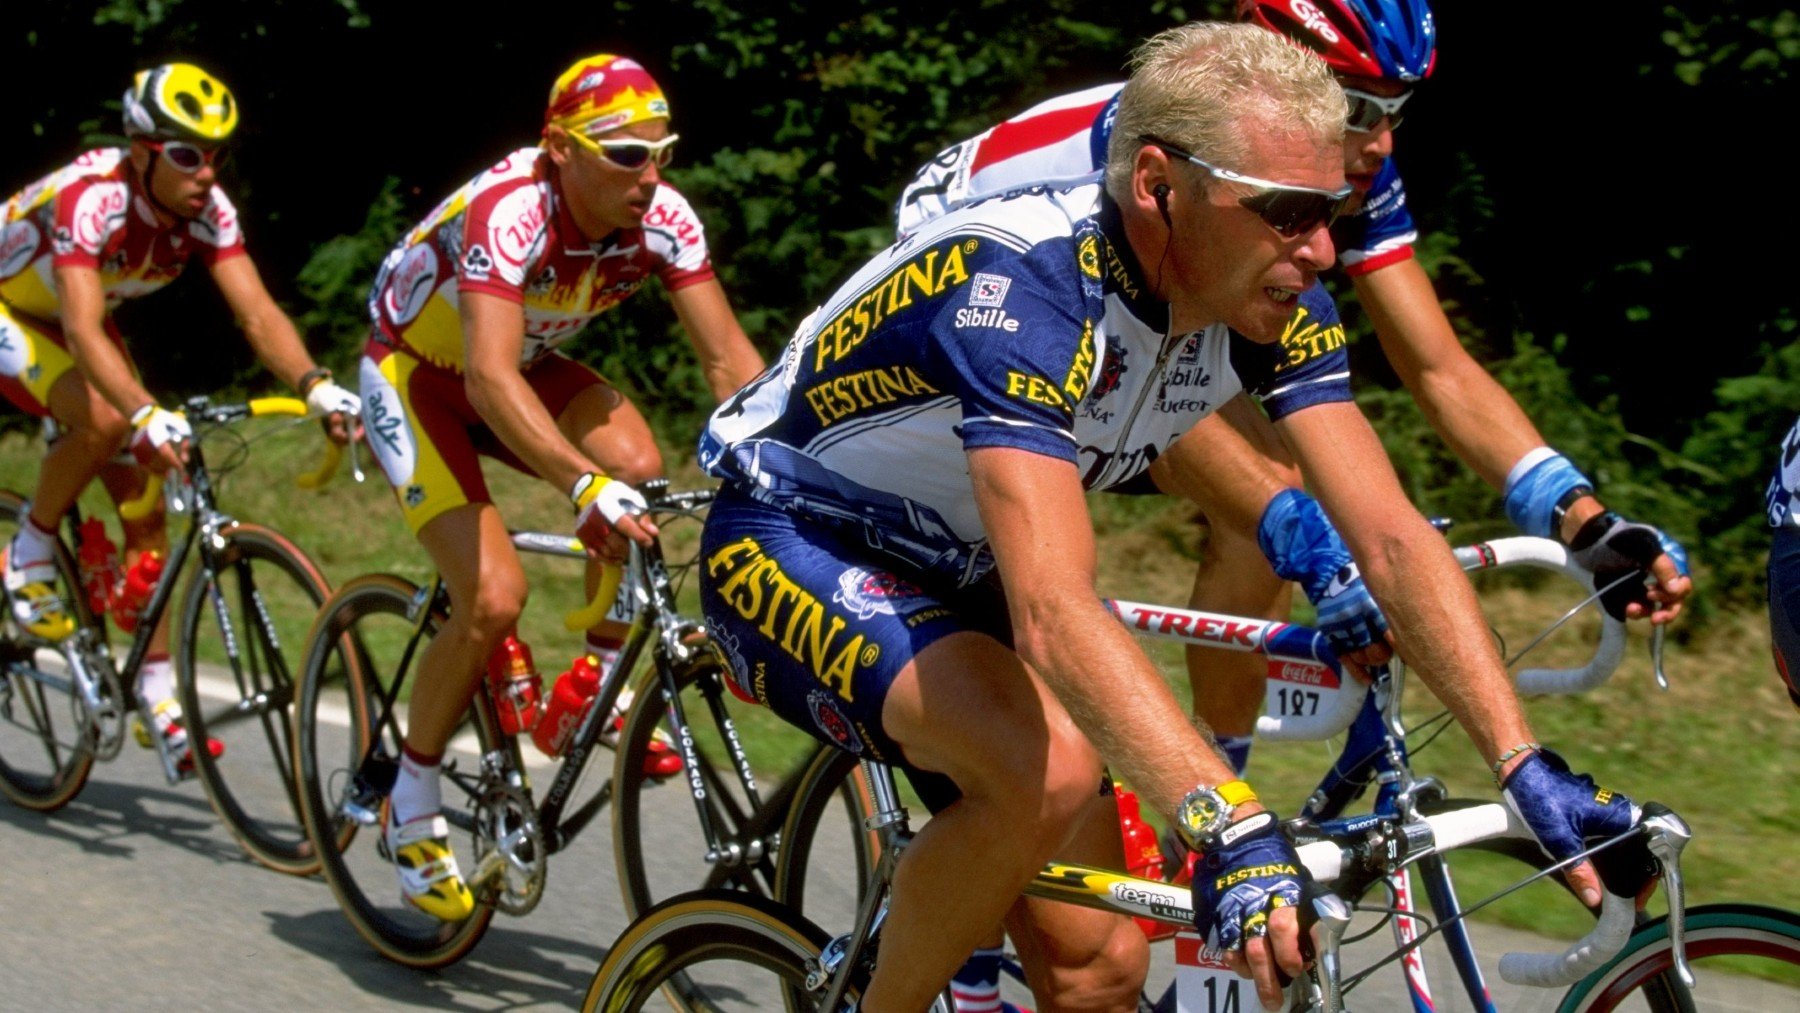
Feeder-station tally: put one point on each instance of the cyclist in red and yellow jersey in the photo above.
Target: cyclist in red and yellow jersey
(116, 224)
(468, 310)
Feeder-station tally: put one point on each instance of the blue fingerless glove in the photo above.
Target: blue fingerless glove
(1610, 547)
(1301, 545)
(1537, 483)
(1567, 812)
(1237, 884)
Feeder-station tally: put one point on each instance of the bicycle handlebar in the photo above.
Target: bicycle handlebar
(141, 506)
(1547, 554)
(1441, 832)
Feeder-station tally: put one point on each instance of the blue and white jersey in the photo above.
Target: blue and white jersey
(1783, 497)
(1381, 232)
(1023, 322)
(1062, 141)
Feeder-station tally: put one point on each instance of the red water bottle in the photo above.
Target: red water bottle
(514, 685)
(570, 698)
(1143, 857)
(98, 559)
(135, 590)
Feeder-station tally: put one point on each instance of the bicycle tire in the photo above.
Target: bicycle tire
(833, 777)
(1640, 976)
(660, 956)
(261, 605)
(46, 747)
(671, 859)
(352, 662)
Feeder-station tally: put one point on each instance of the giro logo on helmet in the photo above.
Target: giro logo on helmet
(1314, 19)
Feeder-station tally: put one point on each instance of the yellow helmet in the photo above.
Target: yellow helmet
(179, 102)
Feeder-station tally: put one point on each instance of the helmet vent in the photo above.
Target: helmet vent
(189, 104)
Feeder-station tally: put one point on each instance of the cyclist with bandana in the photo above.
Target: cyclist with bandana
(468, 311)
(119, 223)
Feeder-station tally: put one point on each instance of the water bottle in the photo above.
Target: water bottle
(570, 698)
(135, 590)
(98, 560)
(1143, 857)
(514, 685)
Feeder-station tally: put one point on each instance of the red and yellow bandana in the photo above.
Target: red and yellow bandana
(604, 92)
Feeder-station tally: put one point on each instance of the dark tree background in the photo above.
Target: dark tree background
(1599, 187)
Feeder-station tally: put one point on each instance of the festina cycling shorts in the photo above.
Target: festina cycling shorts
(817, 625)
(1784, 606)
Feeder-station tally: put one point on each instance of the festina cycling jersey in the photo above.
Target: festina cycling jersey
(1063, 141)
(1783, 497)
(509, 233)
(93, 213)
(1023, 321)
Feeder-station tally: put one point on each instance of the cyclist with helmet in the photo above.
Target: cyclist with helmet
(933, 428)
(468, 311)
(119, 223)
(1379, 50)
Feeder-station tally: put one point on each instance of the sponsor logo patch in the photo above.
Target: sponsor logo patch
(875, 592)
(988, 289)
(832, 722)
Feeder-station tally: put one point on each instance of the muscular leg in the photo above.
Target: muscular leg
(1028, 778)
(93, 431)
(470, 547)
(1074, 958)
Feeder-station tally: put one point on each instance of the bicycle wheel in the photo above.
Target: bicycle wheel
(360, 649)
(1745, 956)
(830, 793)
(46, 747)
(659, 843)
(241, 638)
(711, 950)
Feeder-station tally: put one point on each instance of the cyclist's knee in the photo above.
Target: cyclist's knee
(638, 464)
(495, 603)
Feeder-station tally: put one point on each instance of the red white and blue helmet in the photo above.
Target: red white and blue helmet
(1394, 39)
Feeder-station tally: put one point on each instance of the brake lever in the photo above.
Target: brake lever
(1668, 833)
(1656, 656)
(1331, 918)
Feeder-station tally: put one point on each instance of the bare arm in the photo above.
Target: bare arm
(269, 330)
(1475, 415)
(1216, 467)
(1437, 625)
(493, 341)
(101, 362)
(1043, 542)
(726, 356)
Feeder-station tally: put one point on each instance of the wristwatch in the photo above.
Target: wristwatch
(1206, 812)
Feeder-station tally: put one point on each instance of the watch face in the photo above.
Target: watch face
(1203, 813)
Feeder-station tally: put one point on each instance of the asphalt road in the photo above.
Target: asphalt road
(134, 896)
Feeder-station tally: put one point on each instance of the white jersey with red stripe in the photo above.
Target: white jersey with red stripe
(1062, 142)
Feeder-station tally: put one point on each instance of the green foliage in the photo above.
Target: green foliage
(337, 278)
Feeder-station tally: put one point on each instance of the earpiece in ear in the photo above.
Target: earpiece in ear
(1160, 192)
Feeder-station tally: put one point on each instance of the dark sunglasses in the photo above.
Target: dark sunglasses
(1290, 210)
(185, 157)
(1368, 110)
